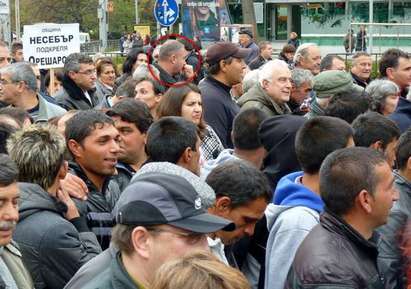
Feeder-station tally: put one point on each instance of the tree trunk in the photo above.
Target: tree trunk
(249, 15)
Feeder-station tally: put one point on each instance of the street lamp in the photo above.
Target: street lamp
(136, 4)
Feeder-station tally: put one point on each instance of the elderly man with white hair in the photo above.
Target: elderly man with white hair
(301, 90)
(308, 56)
(272, 91)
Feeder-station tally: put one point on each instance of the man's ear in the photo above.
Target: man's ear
(377, 146)
(264, 83)
(187, 155)
(364, 199)
(409, 164)
(71, 74)
(75, 148)
(223, 205)
(390, 73)
(63, 170)
(173, 58)
(142, 243)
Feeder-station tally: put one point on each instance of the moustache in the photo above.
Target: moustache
(7, 225)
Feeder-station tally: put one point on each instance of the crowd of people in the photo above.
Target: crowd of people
(240, 172)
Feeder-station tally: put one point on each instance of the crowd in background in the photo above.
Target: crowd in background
(240, 171)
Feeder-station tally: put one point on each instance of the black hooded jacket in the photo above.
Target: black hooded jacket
(277, 135)
(53, 248)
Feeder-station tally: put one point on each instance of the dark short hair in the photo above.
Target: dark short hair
(58, 74)
(371, 127)
(168, 138)
(390, 59)
(348, 105)
(403, 149)
(133, 111)
(83, 123)
(245, 129)
(131, 59)
(17, 113)
(215, 68)
(157, 87)
(288, 48)
(317, 138)
(5, 131)
(16, 45)
(327, 61)
(239, 181)
(74, 60)
(8, 171)
(345, 173)
(127, 88)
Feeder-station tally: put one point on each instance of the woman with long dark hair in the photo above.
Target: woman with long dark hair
(186, 101)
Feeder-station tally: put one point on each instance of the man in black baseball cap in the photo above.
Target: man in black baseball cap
(226, 67)
(159, 217)
(246, 40)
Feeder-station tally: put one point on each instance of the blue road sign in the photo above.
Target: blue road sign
(166, 12)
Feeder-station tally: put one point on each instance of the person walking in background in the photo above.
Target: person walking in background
(361, 40)
(349, 41)
(293, 40)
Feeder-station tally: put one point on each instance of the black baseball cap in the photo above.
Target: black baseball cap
(222, 50)
(159, 198)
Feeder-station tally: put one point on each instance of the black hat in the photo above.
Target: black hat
(158, 198)
(222, 50)
(246, 31)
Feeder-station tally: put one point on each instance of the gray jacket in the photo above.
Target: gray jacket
(11, 257)
(53, 248)
(257, 97)
(47, 110)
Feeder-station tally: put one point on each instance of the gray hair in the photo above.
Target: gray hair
(74, 60)
(8, 171)
(301, 76)
(169, 48)
(21, 71)
(143, 71)
(267, 70)
(38, 151)
(250, 79)
(379, 90)
(302, 51)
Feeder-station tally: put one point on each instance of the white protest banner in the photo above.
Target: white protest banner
(48, 44)
(4, 7)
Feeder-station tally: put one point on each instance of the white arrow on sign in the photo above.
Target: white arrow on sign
(168, 13)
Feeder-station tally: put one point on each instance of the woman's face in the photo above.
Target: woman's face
(390, 105)
(108, 75)
(192, 107)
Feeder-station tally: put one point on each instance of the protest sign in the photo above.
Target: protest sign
(48, 44)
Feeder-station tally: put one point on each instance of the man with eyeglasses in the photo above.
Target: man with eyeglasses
(79, 83)
(18, 88)
(159, 217)
(5, 58)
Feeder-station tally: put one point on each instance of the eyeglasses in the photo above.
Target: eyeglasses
(2, 59)
(88, 72)
(192, 238)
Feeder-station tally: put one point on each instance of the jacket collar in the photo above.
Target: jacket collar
(81, 174)
(215, 82)
(76, 92)
(120, 278)
(279, 109)
(359, 81)
(336, 224)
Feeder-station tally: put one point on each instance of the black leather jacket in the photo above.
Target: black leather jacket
(334, 255)
(98, 206)
(390, 256)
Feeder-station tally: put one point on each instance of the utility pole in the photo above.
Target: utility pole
(17, 15)
(137, 18)
(371, 20)
(102, 16)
